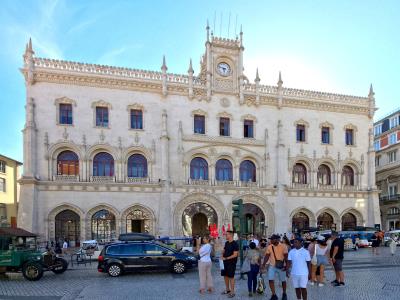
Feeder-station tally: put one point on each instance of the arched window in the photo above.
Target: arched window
(103, 164)
(347, 176)
(199, 169)
(247, 171)
(223, 170)
(103, 226)
(324, 175)
(137, 166)
(67, 163)
(299, 174)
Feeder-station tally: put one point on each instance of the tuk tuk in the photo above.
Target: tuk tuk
(18, 253)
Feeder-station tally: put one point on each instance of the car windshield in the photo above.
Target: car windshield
(22, 243)
(166, 247)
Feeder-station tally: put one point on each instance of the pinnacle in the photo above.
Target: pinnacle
(280, 82)
(257, 76)
(190, 67)
(371, 91)
(164, 65)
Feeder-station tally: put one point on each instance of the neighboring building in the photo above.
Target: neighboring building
(9, 190)
(110, 150)
(387, 164)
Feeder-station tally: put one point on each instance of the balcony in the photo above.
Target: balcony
(326, 187)
(69, 178)
(198, 182)
(102, 179)
(137, 180)
(230, 183)
(302, 186)
(349, 188)
(225, 182)
(395, 197)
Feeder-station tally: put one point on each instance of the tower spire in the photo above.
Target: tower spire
(164, 65)
(190, 67)
(371, 91)
(280, 82)
(257, 76)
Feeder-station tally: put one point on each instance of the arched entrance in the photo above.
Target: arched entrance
(300, 222)
(349, 222)
(67, 227)
(103, 226)
(197, 217)
(325, 221)
(254, 220)
(138, 220)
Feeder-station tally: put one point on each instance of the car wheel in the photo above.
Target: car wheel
(61, 265)
(32, 271)
(114, 270)
(178, 267)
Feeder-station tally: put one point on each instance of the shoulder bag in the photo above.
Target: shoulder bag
(314, 260)
(279, 264)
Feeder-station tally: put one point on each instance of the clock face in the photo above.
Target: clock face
(223, 69)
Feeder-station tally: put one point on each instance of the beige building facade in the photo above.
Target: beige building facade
(110, 150)
(9, 190)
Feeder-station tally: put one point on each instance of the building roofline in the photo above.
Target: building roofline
(9, 158)
(388, 115)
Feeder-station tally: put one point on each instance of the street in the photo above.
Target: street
(367, 277)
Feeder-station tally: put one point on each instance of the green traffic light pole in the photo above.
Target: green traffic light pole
(237, 212)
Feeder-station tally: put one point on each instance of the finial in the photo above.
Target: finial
(30, 45)
(190, 71)
(241, 36)
(28, 49)
(280, 82)
(257, 77)
(164, 65)
(371, 91)
(208, 31)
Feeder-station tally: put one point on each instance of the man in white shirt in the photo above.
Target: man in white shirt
(254, 240)
(299, 266)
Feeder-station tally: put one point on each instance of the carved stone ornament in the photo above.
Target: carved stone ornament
(46, 139)
(101, 103)
(302, 122)
(102, 137)
(136, 106)
(137, 138)
(326, 124)
(326, 151)
(65, 134)
(350, 126)
(84, 139)
(249, 117)
(64, 100)
(224, 102)
(224, 114)
(199, 112)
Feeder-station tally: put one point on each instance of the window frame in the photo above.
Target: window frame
(3, 185)
(244, 128)
(203, 120)
(70, 114)
(138, 122)
(348, 130)
(392, 156)
(325, 129)
(3, 166)
(227, 121)
(108, 117)
(298, 136)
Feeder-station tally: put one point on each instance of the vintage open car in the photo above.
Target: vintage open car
(19, 253)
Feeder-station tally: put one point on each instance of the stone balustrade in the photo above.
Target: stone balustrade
(102, 179)
(65, 178)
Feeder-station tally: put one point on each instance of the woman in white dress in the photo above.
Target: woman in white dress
(392, 245)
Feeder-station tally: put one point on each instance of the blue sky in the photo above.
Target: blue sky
(336, 46)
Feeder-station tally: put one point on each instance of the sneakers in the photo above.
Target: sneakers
(334, 281)
(312, 282)
(284, 296)
(339, 284)
(274, 297)
(320, 284)
(342, 283)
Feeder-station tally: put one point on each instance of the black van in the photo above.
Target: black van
(129, 256)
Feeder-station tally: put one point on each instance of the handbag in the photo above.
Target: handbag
(245, 266)
(314, 260)
(260, 284)
(221, 265)
(279, 264)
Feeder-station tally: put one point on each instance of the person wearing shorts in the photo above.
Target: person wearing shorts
(229, 257)
(276, 251)
(336, 257)
(299, 267)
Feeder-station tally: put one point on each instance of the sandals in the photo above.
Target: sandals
(226, 293)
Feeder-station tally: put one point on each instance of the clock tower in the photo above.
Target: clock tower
(222, 65)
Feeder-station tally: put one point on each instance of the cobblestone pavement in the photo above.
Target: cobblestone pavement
(367, 277)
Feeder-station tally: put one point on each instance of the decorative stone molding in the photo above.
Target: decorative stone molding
(301, 122)
(332, 212)
(101, 147)
(64, 100)
(101, 103)
(97, 208)
(221, 140)
(307, 212)
(137, 106)
(224, 114)
(350, 126)
(224, 102)
(326, 124)
(356, 213)
(249, 117)
(137, 150)
(199, 112)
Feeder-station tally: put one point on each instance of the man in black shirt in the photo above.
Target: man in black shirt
(229, 256)
(336, 257)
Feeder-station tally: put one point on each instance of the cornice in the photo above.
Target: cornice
(74, 73)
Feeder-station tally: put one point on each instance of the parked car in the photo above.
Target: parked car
(141, 253)
(18, 253)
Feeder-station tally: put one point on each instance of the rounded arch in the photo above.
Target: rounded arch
(265, 207)
(247, 171)
(51, 219)
(224, 170)
(359, 216)
(137, 165)
(332, 213)
(137, 150)
(307, 212)
(97, 208)
(305, 161)
(355, 165)
(148, 214)
(324, 174)
(57, 148)
(203, 197)
(226, 156)
(191, 155)
(198, 168)
(329, 162)
(95, 149)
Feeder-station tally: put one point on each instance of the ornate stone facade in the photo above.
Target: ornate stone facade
(61, 156)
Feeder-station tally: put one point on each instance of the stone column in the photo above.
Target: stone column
(165, 197)
(281, 213)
